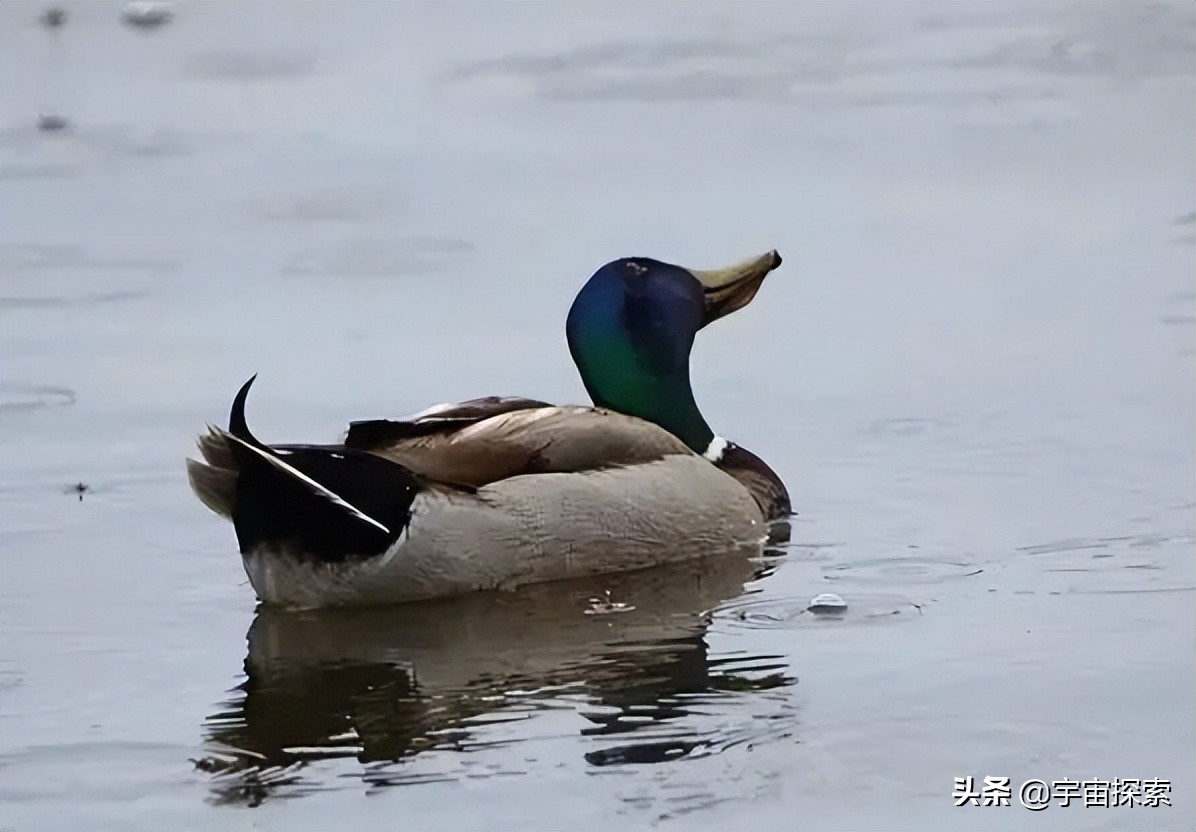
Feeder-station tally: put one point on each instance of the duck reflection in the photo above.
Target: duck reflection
(627, 652)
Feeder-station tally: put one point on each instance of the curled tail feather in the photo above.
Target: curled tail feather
(328, 502)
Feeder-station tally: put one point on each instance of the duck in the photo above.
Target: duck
(501, 491)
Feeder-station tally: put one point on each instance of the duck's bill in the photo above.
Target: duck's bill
(734, 287)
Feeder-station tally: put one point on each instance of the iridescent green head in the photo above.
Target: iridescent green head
(631, 328)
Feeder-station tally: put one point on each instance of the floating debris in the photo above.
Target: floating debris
(146, 15)
(605, 606)
(827, 602)
(53, 17)
(52, 122)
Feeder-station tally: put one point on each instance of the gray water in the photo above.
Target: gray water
(974, 371)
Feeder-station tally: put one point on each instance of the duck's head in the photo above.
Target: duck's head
(631, 328)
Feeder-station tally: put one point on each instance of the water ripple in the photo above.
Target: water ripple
(901, 570)
(758, 613)
(19, 397)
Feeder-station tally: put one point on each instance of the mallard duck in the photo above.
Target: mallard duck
(500, 491)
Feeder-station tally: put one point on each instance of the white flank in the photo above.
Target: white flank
(530, 529)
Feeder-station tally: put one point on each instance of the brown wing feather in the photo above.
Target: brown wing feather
(528, 440)
(441, 419)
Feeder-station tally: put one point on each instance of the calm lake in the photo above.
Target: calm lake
(974, 371)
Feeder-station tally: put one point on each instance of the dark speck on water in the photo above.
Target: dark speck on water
(146, 15)
(53, 17)
(976, 384)
(52, 122)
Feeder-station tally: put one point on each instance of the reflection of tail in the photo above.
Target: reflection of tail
(327, 502)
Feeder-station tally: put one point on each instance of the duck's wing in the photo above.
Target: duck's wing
(460, 444)
(439, 419)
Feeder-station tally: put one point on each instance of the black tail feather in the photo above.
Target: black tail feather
(237, 425)
(328, 503)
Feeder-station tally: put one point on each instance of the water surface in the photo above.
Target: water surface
(974, 371)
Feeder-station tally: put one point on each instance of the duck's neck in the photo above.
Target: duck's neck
(619, 378)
